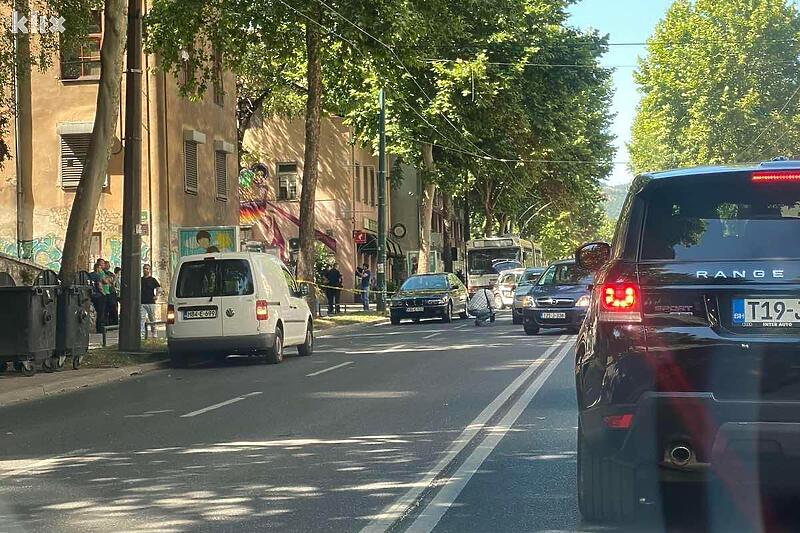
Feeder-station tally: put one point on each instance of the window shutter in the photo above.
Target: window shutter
(74, 149)
(221, 174)
(190, 166)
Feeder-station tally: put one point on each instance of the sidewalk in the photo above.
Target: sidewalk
(15, 388)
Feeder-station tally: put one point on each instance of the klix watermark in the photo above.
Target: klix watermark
(36, 23)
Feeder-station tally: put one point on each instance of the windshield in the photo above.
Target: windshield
(529, 276)
(508, 278)
(421, 283)
(565, 274)
(492, 260)
(204, 279)
(696, 221)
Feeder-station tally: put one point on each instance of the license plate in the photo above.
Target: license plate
(199, 313)
(415, 309)
(546, 316)
(766, 312)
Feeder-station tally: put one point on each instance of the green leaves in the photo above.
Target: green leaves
(718, 85)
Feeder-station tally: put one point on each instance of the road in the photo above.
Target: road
(417, 427)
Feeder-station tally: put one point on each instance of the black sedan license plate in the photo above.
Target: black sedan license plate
(766, 312)
(194, 314)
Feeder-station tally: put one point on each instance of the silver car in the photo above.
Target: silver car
(524, 285)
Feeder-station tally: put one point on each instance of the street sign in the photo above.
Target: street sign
(359, 237)
(381, 268)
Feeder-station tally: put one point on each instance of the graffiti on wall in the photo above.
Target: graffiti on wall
(44, 251)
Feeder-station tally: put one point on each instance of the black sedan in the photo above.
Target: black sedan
(439, 295)
(559, 298)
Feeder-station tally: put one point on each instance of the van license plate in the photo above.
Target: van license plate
(766, 312)
(551, 316)
(199, 313)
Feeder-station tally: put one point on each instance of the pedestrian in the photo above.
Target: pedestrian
(112, 298)
(480, 306)
(97, 278)
(150, 291)
(333, 289)
(366, 279)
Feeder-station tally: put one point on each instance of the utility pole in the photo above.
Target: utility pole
(129, 334)
(23, 134)
(381, 279)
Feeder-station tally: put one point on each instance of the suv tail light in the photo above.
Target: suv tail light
(620, 302)
(776, 176)
(261, 310)
(170, 314)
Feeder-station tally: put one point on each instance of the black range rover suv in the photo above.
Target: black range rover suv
(688, 363)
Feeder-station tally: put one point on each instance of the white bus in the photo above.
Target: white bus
(488, 256)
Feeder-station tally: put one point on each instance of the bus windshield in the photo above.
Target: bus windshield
(483, 261)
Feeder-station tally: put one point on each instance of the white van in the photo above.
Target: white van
(236, 304)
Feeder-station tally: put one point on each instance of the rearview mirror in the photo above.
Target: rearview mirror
(305, 290)
(593, 255)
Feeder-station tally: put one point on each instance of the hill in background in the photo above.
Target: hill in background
(615, 195)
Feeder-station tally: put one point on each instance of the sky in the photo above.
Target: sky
(625, 21)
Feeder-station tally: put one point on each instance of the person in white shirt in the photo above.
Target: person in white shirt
(480, 306)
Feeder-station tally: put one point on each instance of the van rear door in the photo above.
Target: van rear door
(197, 307)
(238, 297)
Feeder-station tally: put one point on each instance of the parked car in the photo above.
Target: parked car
(237, 303)
(558, 299)
(505, 287)
(687, 364)
(521, 293)
(429, 296)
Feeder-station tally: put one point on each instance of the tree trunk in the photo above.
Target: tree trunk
(447, 233)
(488, 208)
(310, 160)
(24, 146)
(426, 209)
(81, 218)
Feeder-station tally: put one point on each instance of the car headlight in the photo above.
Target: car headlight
(583, 301)
(529, 301)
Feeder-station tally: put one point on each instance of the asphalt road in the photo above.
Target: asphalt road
(418, 427)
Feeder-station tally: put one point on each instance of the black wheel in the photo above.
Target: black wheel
(3, 367)
(606, 489)
(531, 330)
(448, 316)
(54, 363)
(394, 319)
(176, 359)
(463, 315)
(307, 348)
(275, 354)
(516, 320)
(26, 368)
(77, 361)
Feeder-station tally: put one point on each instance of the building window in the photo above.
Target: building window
(190, 166)
(372, 186)
(357, 182)
(74, 152)
(82, 60)
(221, 174)
(287, 181)
(219, 88)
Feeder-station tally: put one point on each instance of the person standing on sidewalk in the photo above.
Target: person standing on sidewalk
(366, 279)
(150, 289)
(333, 290)
(97, 278)
(112, 296)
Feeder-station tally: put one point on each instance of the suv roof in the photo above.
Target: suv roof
(723, 169)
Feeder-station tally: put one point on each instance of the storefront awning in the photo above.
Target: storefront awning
(393, 249)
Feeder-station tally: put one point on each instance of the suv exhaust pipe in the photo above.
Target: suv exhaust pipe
(680, 455)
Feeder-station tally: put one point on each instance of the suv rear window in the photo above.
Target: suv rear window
(204, 279)
(701, 220)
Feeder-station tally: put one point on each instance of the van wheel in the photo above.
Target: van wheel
(275, 354)
(176, 360)
(307, 348)
(606, 489)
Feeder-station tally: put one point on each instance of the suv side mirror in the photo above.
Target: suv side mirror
(304, 289)
(593, 255)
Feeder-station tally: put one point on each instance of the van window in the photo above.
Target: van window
(693, 221)
(225, 277)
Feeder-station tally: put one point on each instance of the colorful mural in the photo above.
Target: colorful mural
(206, 240)
(44, 251)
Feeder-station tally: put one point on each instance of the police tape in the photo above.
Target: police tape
(353, 291)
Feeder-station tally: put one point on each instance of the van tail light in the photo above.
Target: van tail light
(620, 302)
(261, 310)
(170, 314)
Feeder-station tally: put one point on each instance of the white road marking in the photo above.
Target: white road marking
(432, 335)
(221, 404)
(436, 508)
(318, 372)
(373, 352)
(395, 510)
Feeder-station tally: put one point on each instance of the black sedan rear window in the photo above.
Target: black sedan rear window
(697, 221)
(204, 279)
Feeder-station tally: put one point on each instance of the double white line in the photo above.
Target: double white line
(452, 487)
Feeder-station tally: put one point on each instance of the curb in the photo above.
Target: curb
(348, 328)
(36, 392)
